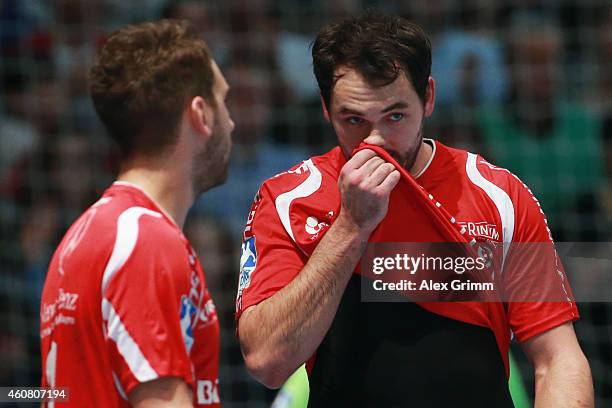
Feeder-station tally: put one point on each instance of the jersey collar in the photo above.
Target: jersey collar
(148, 197)
(433, 144)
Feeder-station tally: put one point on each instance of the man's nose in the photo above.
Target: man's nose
(375, 138)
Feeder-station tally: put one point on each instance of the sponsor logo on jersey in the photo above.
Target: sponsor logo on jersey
(313, 226)
(208, 392)
(248, 262)
(482, 230)
(249, 225)
(208, 314)
(188, 314)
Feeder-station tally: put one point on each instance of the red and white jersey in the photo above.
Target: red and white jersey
(458, 197)
(125, 301)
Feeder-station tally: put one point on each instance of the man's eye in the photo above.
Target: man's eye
(354, 120)
(396, 117)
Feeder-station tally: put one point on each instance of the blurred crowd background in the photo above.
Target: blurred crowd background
(525, 83)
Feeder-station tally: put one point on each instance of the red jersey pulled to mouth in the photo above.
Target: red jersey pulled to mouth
(125, 302)
(458, 197)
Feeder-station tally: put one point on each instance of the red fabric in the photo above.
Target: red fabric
(293, 210)
(131, 297)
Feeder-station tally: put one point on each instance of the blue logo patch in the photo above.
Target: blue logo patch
(248, 262)
(188, 314)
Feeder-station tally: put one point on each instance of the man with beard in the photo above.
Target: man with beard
(126, 317)
(298, 298)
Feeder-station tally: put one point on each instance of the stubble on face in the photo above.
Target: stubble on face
(212, 162)
(409, 158)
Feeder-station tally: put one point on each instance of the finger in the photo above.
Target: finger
(380, 174)
(360, 158)
(390, 182)
(370, 166)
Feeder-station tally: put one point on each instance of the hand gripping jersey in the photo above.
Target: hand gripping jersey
(125, 302)
(379, 354)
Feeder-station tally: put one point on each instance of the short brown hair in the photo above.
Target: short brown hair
(377, 46)
(144, 76)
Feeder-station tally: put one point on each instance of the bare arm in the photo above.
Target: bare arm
(283, 331)
(563, 376)
(163, 392)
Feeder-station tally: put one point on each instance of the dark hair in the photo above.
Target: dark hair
(143, 78)
(378, 46)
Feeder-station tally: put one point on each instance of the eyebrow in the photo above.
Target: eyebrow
(396, 105)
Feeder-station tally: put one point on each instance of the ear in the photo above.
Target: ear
(430, 97)
(201, 116)
(325, 111)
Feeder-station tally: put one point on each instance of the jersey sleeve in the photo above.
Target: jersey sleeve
(534, 281)
(145, 304)
(269, 258)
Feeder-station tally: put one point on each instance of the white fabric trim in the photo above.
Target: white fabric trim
(125, 241)
(118, 386)
(500, 198)
(306, 188)
(433, 153)
(127, 347)
(137, 187)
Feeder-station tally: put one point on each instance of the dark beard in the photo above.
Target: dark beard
(407, 161)
(213, 170)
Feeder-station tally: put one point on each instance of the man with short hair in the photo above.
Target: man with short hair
(298, 297)
(126, 317)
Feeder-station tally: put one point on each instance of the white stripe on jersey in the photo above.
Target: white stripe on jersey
(125, 242)
(500, 198)
(306, 188)
(127, 347)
